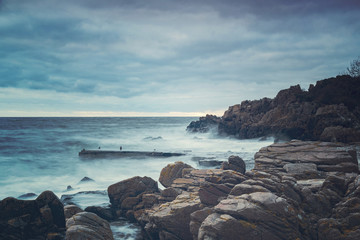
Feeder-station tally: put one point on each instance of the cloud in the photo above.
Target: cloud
(170, 56)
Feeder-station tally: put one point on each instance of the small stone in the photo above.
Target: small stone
(27, 195)
(87, 179)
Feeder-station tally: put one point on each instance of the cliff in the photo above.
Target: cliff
(328, 111)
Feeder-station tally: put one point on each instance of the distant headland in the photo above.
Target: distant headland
(327, 111)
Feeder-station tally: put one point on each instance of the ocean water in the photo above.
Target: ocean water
(38, 154)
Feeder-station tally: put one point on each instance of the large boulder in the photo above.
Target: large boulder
(172, 220)
(171, 172)
(32, 219)
(260, 215)
(235, 163)
(103, 212)
(89, 226)
(71, 210)
(125, 194)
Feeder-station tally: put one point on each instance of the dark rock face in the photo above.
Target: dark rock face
(235, 163)
(126, 197)
(71, 210)
(32, 219)
(328, 111)
(205, 124)
(104, 213)
(171, 172)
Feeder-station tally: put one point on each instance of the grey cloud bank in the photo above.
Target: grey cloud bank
(87, 57)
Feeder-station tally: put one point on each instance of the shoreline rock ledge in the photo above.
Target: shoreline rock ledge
(297, 190)
(328, 111)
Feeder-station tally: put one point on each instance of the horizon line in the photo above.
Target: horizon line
(23, 114)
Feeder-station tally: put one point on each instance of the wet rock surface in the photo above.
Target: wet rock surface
(41, 218)
(205, 124)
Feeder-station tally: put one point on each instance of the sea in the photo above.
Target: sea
(41, 153)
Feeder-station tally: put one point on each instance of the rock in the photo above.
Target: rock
(210, 193)
(302, 170)
(197, 218)
(210, 163)
(325, 112)
(171, 172)
(259, 215)
(191, 181)
(243, 188)
(344, 221)
(173, 218)
(125, 195)
(297, 190)
(32, 219)
(224, 226)
(69, 188)
(87, 225)
(169, 194)
(327, 157)
(27, 196)
(235, 163)
(205, 124)
(149, 200)
(51, 208)
(340, 134)
(71, 210)
(87, 179)
(104, 213)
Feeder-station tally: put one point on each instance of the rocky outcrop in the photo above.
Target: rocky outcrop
(171, 172)
(205, 124)
(130, 197)
(71, 210)
(304, 160)
(297, 190)
(103, 212)
(235, 163)
(86, 225)
(42, 218)
(328, 111)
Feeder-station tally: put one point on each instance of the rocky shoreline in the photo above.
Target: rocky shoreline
(297, 190)
(328, 111)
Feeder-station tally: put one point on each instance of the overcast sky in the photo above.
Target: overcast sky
(166, 57)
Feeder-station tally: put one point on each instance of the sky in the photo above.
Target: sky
(166, 57)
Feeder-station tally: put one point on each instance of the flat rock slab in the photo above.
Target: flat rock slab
(296, 157)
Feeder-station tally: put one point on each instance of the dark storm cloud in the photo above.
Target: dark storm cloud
(137, 50)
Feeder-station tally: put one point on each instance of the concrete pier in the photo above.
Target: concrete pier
(105, 153)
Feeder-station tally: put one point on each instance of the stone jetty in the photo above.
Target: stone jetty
(117, 154)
